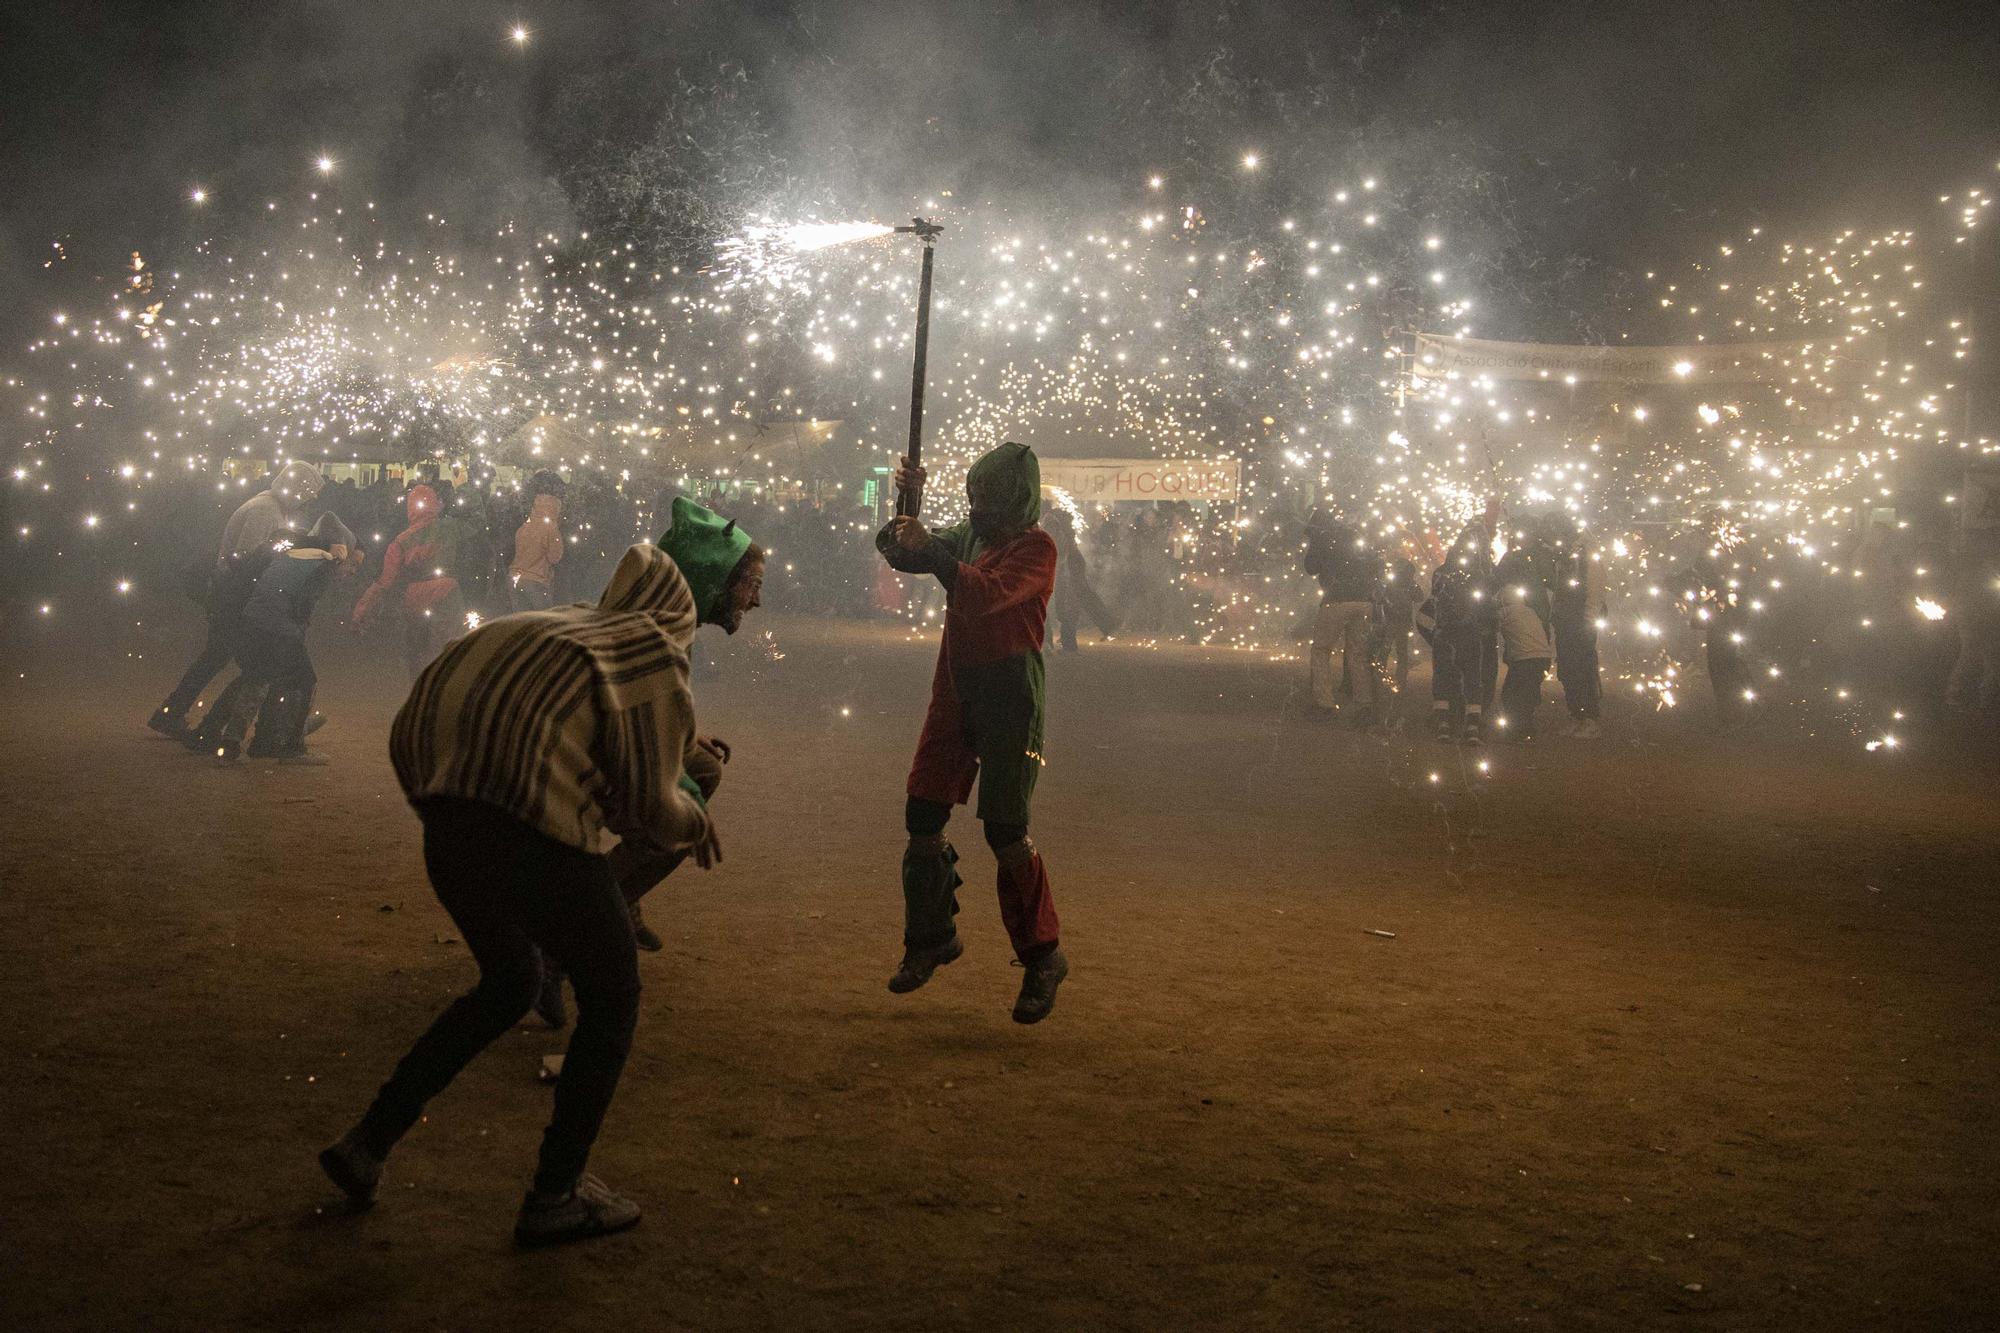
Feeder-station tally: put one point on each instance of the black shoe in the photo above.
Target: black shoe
(1038, 986)
(589, 1209)
(173, 728)
(349, 1164)
(918, 964)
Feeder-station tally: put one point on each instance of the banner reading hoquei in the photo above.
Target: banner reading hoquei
(1441, 357)
(1109, 480)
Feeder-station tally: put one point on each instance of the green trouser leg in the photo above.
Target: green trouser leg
(930, 892)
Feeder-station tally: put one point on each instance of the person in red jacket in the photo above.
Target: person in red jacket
(985, 720)
(412, 570)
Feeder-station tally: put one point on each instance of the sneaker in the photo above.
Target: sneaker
(549, 1005)
(1474, 731)
(1038, 986)
(1441, 725)
(587, 1209)
(166, 724)
(314, 723)
(918, 964)
(644, 935)
(351, 1166)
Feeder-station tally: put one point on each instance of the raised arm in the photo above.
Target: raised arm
(392, 568)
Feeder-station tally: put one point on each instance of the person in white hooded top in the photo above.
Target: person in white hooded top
(1521, 584)
(257, 525)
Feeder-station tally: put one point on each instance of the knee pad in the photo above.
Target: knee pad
(1010, 845)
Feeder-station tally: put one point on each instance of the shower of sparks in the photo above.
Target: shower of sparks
(774, 254)
(1130, 332)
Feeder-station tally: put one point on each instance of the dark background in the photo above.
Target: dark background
(1617, 136)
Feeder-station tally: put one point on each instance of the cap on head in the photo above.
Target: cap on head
(707, 547)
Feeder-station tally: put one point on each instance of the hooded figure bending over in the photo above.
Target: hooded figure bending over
(985, 719)
(527, 748)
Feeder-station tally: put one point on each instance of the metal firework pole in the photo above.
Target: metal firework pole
(911, 501)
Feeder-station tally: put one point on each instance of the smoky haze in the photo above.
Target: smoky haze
(1609, 134)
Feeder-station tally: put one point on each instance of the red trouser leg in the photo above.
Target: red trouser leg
(1026, 904)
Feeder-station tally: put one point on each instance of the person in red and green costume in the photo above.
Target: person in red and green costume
(985, 719)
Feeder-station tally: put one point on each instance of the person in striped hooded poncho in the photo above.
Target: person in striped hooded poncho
(530, 748)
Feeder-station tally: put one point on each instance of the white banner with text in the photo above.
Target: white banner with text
(1109, 480)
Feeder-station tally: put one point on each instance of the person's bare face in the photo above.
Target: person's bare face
(745, 595)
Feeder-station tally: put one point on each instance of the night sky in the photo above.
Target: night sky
(1664, 126)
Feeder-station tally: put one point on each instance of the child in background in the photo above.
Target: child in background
(1526, 626)
(538, 546)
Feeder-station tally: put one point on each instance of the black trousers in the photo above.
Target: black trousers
(1576, 666)
(1464, 664)
(276, 688)
(511, 891)
(216, 652)
(1521, 696)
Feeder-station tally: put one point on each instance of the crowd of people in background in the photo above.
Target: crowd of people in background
(1527, 599)
(1505, 605)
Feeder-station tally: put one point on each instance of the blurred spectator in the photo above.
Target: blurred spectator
(1345, 568)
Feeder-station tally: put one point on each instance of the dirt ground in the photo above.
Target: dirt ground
(1672, 1031)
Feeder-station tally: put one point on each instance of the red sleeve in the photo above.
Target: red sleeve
(392, 565)
(1025, 571)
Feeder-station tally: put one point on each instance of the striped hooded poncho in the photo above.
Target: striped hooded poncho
(573, 720)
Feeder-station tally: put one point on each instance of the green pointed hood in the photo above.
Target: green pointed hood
(707, 547)
(1011, 472)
